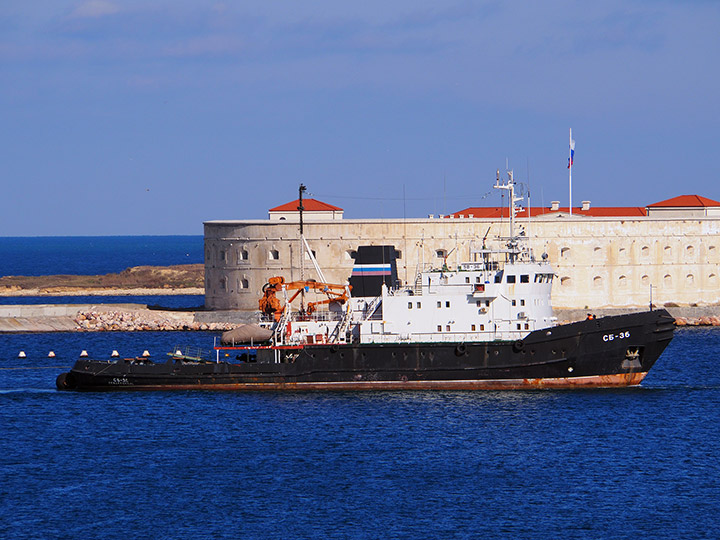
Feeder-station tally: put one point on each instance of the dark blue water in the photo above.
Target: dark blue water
(164, 301)
(633, 463)
(91, 255)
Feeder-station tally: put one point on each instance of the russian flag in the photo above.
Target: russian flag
(572, 153)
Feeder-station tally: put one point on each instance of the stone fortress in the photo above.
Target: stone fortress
(604, 257)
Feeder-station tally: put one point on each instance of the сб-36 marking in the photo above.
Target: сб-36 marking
(621, 335)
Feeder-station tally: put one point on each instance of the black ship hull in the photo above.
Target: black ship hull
(606, 352)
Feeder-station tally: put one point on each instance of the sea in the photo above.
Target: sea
(639, 462)
(92, 255)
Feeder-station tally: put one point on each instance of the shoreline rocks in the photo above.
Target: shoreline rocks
(697, 321)
(148, 321)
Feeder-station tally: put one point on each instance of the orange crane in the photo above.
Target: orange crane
(271, 305)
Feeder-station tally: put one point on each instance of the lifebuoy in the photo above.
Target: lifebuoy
(518, 346)
(461, 349)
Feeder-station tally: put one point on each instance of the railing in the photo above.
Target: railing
(190, 353)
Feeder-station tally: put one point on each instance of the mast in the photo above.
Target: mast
(570, 164)
(300, 208)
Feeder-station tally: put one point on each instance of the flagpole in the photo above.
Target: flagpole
(570, 170)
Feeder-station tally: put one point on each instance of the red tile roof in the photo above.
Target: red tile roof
(685, 201)
(598, 211)
(309, 205)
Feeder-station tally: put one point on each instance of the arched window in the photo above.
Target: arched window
(667, 253)
(645, 280)
(689, 251)
(565, 281)
(712, 280)
(564, 253)
(667, 280)
(622, 282)
(597, 282)
(645, 252)
(689, 279)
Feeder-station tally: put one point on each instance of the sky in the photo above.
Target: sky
(151, 117)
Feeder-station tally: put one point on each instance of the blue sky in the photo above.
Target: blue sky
(137, 117)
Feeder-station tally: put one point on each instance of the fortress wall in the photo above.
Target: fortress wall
(599, 262)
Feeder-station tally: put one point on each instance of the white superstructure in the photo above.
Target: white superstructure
(501, 294)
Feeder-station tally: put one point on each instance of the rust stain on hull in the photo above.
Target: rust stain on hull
(596, 381)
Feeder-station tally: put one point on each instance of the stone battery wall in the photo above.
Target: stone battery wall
(599, 262)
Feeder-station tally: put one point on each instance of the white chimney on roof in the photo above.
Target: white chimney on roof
(555, 206)
(586, 205)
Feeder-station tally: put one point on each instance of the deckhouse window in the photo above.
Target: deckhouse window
(511, 279)
(440, 253)
(524, 278)
(409, 305)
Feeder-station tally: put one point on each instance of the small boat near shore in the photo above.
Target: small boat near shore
(487, 323)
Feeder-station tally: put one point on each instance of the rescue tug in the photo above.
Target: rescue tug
(485, 324)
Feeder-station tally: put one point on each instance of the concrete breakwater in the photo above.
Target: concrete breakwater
(138, 318)
(101, 318)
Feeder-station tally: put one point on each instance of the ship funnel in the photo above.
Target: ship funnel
(374, 266)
